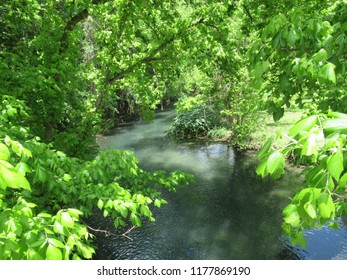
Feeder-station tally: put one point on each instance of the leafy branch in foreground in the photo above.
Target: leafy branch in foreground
(44, 194)
(318, 143)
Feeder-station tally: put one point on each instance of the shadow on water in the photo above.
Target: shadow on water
(230, 213)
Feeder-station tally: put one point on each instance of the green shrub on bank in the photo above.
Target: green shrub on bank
(194, 123)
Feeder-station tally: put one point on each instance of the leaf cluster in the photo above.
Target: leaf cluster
(44, 194)
(318, 144)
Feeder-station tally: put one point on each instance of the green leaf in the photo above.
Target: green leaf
(290, 208)
(37, 243)
(337, 115)
(298, 239)
(334, 225)
(56, 243)
(42, 174)
(32, 254)
(291, 38)
(275, 164)
(305, 124)
(100, 204)
(67, 177)
(17, 147)
(319, 180)
(335, 165)
(342, 183)
(53, 253)
(258, 70)
(44, 215)
(310, 210)
(157, 203)
(135, 220)
(58, 227)
(144, 210)
(261, 169)
(320, 56)
(75, 212)
(4, 152)
(331, 141)
(293, 219)
(335, 125)
(278, 114)
(325, 211)
(123, 211)
(23, 168)
(310, 146)
(328, 72)
(265, 149)
(87, 252)
(66, 220)
(10, 178)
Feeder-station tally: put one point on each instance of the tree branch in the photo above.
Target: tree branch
(150, 57)
(247, 12)
(147, 59)
(108, 233)
(70, 25)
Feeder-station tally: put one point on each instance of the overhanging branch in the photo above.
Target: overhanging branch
(150, 57)
(71, 24)
(144, 60)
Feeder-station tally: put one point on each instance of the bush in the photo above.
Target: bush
(194, 123)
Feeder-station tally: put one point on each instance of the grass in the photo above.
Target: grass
(268, 128)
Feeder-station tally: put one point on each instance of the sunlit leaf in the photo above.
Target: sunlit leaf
(135, 220)
(32, 254)
(261, 169)
(265, 149)
(56, 243)
(275, 164)
(328, 72)
(293, 219)
(320, 56)
(335, 164)
(325, 211)
(100, 204)
(66, 220)
(303, 125)
(11, 178)
(310, 210)
(4, 152)
(53, 253)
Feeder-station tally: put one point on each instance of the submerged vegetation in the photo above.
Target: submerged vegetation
(71, 69)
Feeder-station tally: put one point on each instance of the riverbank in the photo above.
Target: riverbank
(265, 129)
(269, 128)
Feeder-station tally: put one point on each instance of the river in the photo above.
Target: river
(229, 213)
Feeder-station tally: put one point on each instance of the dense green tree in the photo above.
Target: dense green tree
(67, 65)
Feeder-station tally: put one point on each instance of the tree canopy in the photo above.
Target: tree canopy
(70, 68)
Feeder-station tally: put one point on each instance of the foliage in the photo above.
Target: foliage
(66, 66)
(242, 110)
(44, 193)
(218, 133)
(318, 142)
(301, 56)
(187, 103)
(38, 68)
(194, 123)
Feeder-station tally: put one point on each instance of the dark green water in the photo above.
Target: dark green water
(230, 213)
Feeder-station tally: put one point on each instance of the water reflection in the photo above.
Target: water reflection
(230, 213)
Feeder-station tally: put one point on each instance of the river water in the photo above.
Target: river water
(229, 213)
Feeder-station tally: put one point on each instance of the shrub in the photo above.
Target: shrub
(194, 123)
